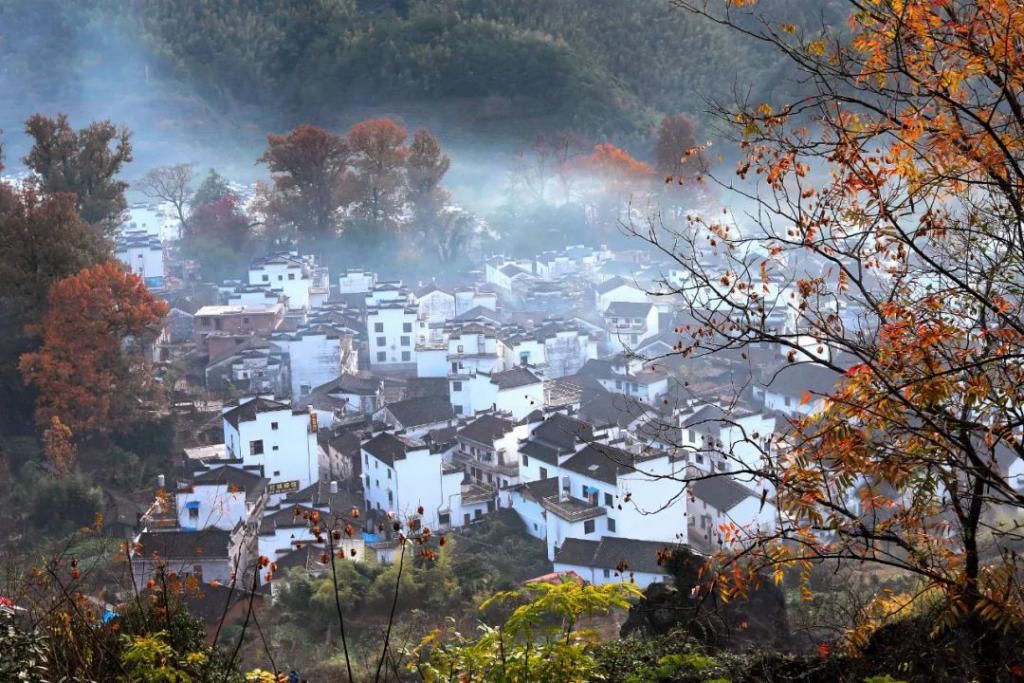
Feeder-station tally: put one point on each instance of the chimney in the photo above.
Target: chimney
(334, 486)
(160, 481)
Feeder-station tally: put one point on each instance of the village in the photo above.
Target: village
(551, 387)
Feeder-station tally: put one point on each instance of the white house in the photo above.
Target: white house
(356, 281)
(629, 324)
(435, 305)
(473, 347)
(402, 475)
(617, 289)
(143, 255)
(315, 356)
(288, 274)
(517, 391)
(267, 434)
(468, 298)
(390, 333)
(722, 499)
(488, 449)
(221, 498)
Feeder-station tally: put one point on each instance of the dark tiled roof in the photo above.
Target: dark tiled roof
(516, 377)
(795, 379)
(609, 408)
(425, 410)
(722, 492)
(627, 309)
(620, 554)
(577, 551)
(611, 283)
(540, 451)
(486, 429)
(538, 490)
(208, 543)
(388, 448)
(253, 484)
(248, 410)
(563, 432)
(599, 461)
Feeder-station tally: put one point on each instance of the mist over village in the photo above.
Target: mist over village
(511, 340)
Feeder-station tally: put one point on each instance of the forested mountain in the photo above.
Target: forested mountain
(601, 67)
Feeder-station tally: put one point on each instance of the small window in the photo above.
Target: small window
(406, 356)
(381, 356)
(406, 341)
(618, 384)
(787, 401)
(277, 473)
(543, 472)
(245, 319)
(273, 425)
(458, 410)
(256, 447)
(478, 513)
(583, 491)
(406, 327)
(444, 518)
(273, 448)
(280, 278)
(265, 278)
(609, 501)
(457, 386)
(607, 573)
(378, 327)
(382, 341)
(389, 474)
(291, 276)
(193, 513)
(588, 526)
(611, 525)
(459, 348)
(526, 460)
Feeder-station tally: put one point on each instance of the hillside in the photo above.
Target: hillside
(606, 69)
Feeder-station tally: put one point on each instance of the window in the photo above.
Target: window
(609, 501)
(692, 435)
(478, 513)
(457, 386)
(382, 341)
(265, 278)
(543, 472)
(611, 525)
(459, 349)
(256, 447)
(406, 356)
(455, 368)
(280, 278)
(389, 474)
(406, 327)
(607, 573)
(274, 448)
(634, 387)
(405, 341)
(588, 526)
(277, 473)
(618, 384)
(465, 518)
(787, 401)
(391, 498)
(245, 319)
(458, 410)
(524, 358)
(526, 461)
(366, 459)
(193, 513)
(291, 276)
(381, 356)
(583, 491)
(273, 425)
(378, 327)
(444, 518)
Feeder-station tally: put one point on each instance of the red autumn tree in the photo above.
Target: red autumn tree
(90, 370)
(307, 166)
(378, 161)
(425, 168)
(221, 221)
(616, 180)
